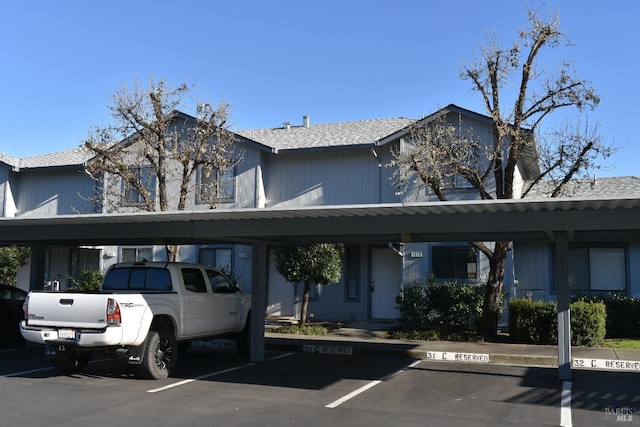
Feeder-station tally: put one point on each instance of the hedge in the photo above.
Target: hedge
(623, 315)
(536, 322)
(533, 322)
(448, 307)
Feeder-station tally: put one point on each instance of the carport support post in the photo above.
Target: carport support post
(564, 318)
(258, 301)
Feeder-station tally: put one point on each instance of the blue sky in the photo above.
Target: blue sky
(275, 61)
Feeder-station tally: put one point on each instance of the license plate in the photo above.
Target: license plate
(67, 334)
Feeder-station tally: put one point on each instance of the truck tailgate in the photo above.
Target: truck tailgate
(67, 310)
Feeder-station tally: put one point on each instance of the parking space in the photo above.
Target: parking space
(605, 398)
(218, 387)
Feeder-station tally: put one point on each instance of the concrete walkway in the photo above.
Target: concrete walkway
(365, 339)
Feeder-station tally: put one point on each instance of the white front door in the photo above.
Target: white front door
(385, 283)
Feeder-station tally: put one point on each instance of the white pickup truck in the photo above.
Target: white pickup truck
(144, 311)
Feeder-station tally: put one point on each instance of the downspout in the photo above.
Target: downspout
(401, 255)
(4, 199)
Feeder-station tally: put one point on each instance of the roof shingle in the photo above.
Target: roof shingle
(623, 186)
(74, 156)
(362, 132)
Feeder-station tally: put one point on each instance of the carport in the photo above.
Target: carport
(545, 220)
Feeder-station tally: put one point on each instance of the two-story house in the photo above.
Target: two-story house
(306, 165)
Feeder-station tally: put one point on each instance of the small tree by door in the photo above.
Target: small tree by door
(319, 263)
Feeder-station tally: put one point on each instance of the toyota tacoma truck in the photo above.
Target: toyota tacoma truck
(144, 311)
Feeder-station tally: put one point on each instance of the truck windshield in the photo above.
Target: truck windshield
(138, 278)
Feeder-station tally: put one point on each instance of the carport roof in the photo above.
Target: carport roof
(584, 219)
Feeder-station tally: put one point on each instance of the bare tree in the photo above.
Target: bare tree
(150, 156)
(443, 150)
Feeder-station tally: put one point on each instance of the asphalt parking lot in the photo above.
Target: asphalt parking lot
(213, 387)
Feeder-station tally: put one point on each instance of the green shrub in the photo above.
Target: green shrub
(449, 307)
(416, 334)
(86, 281)
(623, 317)
(536, 322)
(454, 307)
(588, 323)
(623, 314)
(533, 322)
(412, 304)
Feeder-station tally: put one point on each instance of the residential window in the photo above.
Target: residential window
(220, 258)
(136, 254)
(352, 278)
(458, 182)
(453, 262)
(597, 269)
(131, 195)
(214, 186)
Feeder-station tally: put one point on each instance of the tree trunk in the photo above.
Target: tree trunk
(305, 303)
(493, 291)
(172, 252)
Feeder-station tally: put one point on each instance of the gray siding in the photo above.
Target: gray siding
(417, 192)
(54, 191)
(321, 178)
(58, 266)
(332, 302)
(633, 263)
(533, 270)
(388, 192)
(417, 263)
(247, 180)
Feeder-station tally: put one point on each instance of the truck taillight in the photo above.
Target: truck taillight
(113, 313)
(25, 307)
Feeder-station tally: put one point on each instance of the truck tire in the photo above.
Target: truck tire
(243, 339)
(72, 361)
(160, 354)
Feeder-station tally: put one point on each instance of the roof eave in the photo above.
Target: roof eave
(451, 108)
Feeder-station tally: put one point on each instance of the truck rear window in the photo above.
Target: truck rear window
(137, 278)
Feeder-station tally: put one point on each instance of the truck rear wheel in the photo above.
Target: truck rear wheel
(160, 354)
(71, 361)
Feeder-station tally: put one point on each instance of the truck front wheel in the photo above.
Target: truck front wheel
(160, 354)
(71, 361)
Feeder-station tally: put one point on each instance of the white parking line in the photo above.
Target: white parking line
(565, 405)
(212, 374)
(366, 387)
